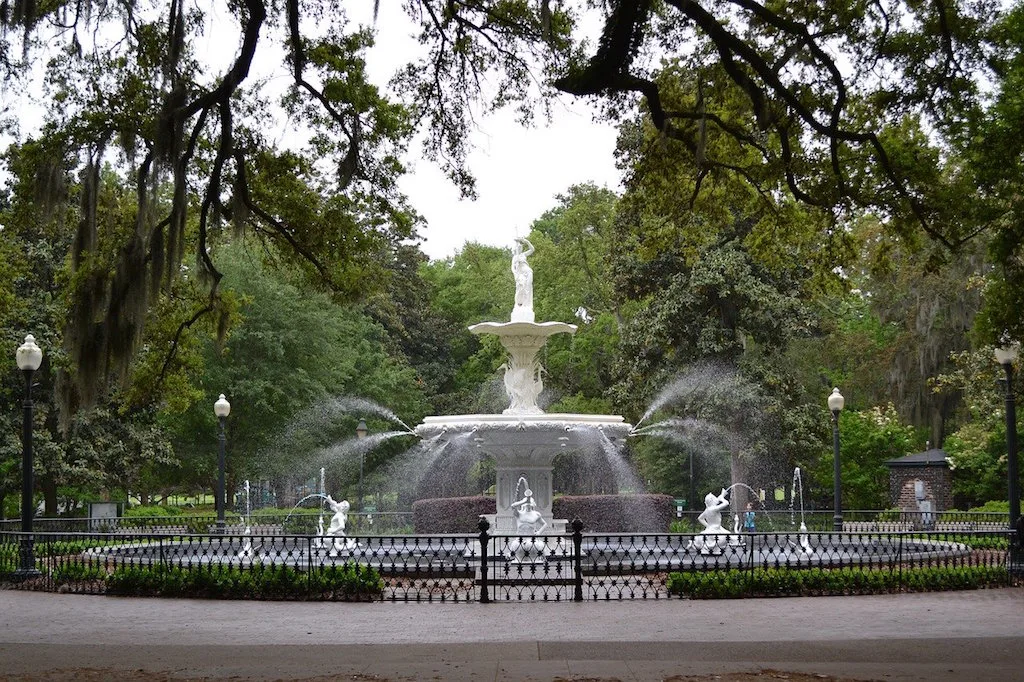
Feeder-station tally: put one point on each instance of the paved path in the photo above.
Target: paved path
(942, 636)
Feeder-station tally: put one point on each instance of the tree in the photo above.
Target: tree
(869, 438)
(840, 102)
(820, 112)
(977, 449)
(291, 351)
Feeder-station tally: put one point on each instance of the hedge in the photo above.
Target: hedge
(450, 514)
(783, 582)
(347, 582)
(616, 513)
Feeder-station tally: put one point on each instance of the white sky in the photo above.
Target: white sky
(519, 171)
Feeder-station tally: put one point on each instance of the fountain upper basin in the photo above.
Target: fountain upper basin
(527, 431)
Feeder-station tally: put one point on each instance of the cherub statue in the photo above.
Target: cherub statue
(714, 538)
(337, 527)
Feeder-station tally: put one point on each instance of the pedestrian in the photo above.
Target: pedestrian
(748, 518)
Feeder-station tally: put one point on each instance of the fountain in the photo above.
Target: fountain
(532, 545)
(523, 439)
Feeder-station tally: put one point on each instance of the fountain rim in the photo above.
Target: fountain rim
(523, 328)
(546, 418)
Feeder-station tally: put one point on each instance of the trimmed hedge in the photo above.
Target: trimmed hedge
(616, 513)
(347, 582)
(450, 514)
(782, 582)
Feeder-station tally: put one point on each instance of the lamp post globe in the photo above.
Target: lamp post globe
(361, 432)
(836, 402)
(28, 356)
(221, 408)
(1006, 356)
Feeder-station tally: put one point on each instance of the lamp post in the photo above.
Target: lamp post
(361, 432)
(835, 406)
(29, 356)
(693, 490)
(221, 408)
(1006, 356)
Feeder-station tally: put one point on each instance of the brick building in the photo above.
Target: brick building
(923, 477)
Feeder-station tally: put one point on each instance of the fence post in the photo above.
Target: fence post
(577, 558)
(484, 525)
(750, 561)
(899, 561)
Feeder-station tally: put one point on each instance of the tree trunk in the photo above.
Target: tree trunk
(738, 472)
(49, 486)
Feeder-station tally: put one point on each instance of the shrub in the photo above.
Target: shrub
(450, 514)
(617, 513)
(150, 516)
(73, 572)
(776, 582)
(347, 581)
(993, 506)
(152, 511)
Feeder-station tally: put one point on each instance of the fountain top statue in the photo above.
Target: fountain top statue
(522, 311)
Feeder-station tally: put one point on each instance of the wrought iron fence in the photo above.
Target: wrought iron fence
(863, 520)
(300, 522)
(483, 567)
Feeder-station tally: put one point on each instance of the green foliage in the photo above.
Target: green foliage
(347, 581)
(77, 572)
(977, 449)
(868, 439)
(291, 349)
(774, 582)
(152, 511)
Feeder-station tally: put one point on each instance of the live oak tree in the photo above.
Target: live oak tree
(851, 104)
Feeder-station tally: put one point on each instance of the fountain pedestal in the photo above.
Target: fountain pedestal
(525, 446)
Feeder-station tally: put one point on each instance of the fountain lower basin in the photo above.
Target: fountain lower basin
(524, 446)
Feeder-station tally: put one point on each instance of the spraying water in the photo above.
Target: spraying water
(756, 496)
(350, 405)
(797, 489)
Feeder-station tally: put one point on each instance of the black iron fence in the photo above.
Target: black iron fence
(300, 522)
(863, 520)
(483, 567)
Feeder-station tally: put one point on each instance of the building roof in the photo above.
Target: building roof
(932, 457)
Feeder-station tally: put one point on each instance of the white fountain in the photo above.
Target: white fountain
(523, 439)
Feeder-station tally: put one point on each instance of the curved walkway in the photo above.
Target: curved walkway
(937, 636)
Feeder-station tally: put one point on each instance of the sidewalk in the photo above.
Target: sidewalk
(940, 636)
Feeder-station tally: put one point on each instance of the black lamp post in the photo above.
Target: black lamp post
(29, 357)
(693, 490)
(835, 406)
(1006, 356)
(221, 408)
(361, 432)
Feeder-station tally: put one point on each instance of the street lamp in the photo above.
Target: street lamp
(835, 406)
(361, 432)
(29, 356)
(221, 408)
(1006, 356)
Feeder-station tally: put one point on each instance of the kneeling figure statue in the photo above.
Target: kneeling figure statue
(714, 538)
(529, 522)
